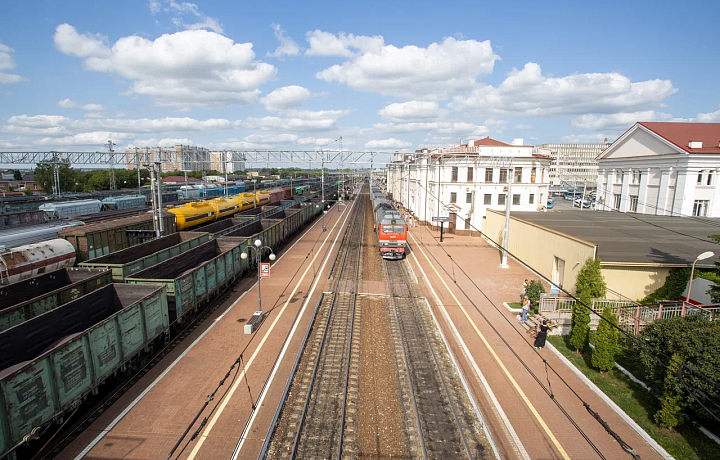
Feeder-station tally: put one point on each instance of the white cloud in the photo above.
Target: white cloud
(38, 121)
(498, 126)
(188, 68)
(527, 92)
(90, 138)
(318, 141)
(286, 97)
(459, 128)
(293, 124)
(712, 117)
(236, 144)
(438, 71)
(391, 143)
(6, 63)
(287, 46)
(271, 138)
(584, 138)
(205, 21)
(328, 44)
(519, 127)
(167, 142)
(70, 104)
(155, 6)
(411, 111)
(617, 121)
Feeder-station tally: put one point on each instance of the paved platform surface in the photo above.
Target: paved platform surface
(153, 424)
(542, 429)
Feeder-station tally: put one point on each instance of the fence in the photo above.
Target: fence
(632, 317)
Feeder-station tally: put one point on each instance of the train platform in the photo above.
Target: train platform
(525, 421)
(148, 420)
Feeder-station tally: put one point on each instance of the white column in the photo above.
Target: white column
(600, 191)
(663, 204)
(642, 195)
(684, 193)
(625, 191)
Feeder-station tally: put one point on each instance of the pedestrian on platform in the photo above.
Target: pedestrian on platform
(541, 335)
(525, 309)
(524, 289)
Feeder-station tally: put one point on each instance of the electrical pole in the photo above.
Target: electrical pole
(508, 203)
(137, 166)
(159, 197)
(113, 185)
(322, 189)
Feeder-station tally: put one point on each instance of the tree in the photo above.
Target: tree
(590, 284)
(670, 414)
(44, 175)
(17, 175)
(533, 291)
(603, 356)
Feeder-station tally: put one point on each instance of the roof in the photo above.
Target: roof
(680, 135)
(487, 141)
(634, 238)
(179, 179)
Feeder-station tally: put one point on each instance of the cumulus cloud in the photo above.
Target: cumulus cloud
(70, 104)
(183, 9)
(437, 128)
(167, 142)
(617, 121)
(498, 126)
(317, 141)
(438, 71)
(183, 69)
(343, 45)
(519, 127)
(286, 97)
(391, 143)
(411, 111)
(6, 63)
(584, 138)
(712, 117)
(271, 138)
(287, 46)
(90, 138)
(528, 92)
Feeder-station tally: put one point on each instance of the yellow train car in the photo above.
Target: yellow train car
(262, 198)
(224, 207)
(193, 214)
(245, 201)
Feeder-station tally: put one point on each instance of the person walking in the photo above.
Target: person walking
(525, 309)
(541, 336)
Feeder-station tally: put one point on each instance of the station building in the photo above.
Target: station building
(664, 169)
(636, 251)
(465, 181)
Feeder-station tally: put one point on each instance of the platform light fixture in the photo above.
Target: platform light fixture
(258, 315)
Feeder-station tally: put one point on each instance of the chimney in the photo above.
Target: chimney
(695, 144)
(517, 142)
(606, 141)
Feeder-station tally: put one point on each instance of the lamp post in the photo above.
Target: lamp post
(703, 256)
(257, 316)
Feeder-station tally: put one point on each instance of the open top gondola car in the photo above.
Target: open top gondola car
(390, 227)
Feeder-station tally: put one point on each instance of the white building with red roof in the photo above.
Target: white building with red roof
(662, 168)
(464, 181)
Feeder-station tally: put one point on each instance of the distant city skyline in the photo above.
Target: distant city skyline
(384, 76)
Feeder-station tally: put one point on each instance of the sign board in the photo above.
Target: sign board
(264, 270)
(554, 288)
(442, 219)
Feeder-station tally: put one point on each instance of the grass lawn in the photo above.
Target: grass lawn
(518, 305)
(684, 443)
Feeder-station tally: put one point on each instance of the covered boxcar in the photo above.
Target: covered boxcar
(50, 363)
(136, 258)
(24, 300)
(124, 202)
(22, 218)
(70, 209)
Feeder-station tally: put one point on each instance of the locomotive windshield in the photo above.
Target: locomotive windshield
(393, 229)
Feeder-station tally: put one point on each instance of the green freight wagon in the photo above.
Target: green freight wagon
(102, 238)
(302, 189)
(195, 277)
(136, 258)
(270, 231)
(50, 363)
(24, 300)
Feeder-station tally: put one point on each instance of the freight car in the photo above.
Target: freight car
(26, 299)
(136, 258)
(70, 209)
(20, 203)
(124, 202)
(98, 239)
(14, 237)
(188, 193)
(50, 363)
(390, 227)
(194, 278)
(22, 218)
(28, 261)
(193, 214)
(245, 201)
(224, 207)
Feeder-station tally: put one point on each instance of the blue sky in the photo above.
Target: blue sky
(383, 75)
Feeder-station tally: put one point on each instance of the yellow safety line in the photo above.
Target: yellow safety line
(497, 358)
(240, 377)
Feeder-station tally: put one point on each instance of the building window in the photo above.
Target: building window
(633, 203)
(532, 175)
(468, 198)
(467, 224)
(470, 175)
(501, 199)
(532, 198)
(453, 197)
(618, 176)
(616, 200)
(700, 178)
(503, 175)
(487, 199)
(710, 178)
(488, 174)
(518, 175)
(700, 208)
(454, 176)
(516, 199)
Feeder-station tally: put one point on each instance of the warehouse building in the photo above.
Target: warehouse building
(637, 251)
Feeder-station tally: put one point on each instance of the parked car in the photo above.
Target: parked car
(550, 203)
(580, 202)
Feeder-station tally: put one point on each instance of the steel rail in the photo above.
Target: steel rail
(316, 364)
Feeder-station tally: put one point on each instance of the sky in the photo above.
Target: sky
(390, 75)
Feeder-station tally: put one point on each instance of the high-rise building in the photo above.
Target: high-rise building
(178, 158)
(233, 161)
(572, 164)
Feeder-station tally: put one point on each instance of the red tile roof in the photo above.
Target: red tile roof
(681, 134)
(179, 179)
(491, 142)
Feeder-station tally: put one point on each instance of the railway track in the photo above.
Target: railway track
(317, 417)
(446, 425)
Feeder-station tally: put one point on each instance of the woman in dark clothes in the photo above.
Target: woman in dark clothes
(541, 335)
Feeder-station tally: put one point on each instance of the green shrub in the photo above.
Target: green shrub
(580, 326)
(589, 284)
(533, 291)
(675, 284)
(606, 342)
(693, 341)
